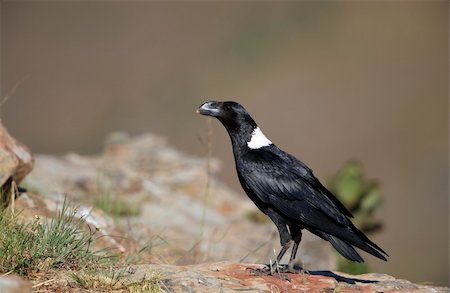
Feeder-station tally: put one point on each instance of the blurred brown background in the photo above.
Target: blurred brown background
(326, 81)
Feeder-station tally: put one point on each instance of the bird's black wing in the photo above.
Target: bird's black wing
(282, 181)
(286, 185)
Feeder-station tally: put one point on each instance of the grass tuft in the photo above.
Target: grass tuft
(41, 245)
(152, 284)
(113, 279)
(100, 279)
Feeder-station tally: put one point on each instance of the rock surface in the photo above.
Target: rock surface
(193, 215)
(16, 161)
(182, 220)
(14, 284)
(236, 277)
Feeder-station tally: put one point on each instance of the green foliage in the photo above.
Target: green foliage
(362, 197)
(113, 276)
(110, 203)
(256, 216)
(112, 279)
(115, 206)
(351, 267)
(100, 278)
(148, 285)
(41, 245)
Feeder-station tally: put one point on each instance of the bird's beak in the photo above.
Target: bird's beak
(209, 109)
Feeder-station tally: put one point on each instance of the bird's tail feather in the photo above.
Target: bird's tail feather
(367, 247)
(344, 248)
(368, 242)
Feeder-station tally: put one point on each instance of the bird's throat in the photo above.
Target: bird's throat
(258, 140)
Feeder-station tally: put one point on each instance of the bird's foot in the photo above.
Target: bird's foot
(271, 270)
(296, 268)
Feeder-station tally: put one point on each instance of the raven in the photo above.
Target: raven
(286, 190)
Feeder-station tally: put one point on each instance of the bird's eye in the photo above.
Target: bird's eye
(214, 104)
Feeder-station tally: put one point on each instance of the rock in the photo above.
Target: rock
(16, 161)
(14, 284)
(187, 217)
(182, 221)
(33, 206)
(236, 277)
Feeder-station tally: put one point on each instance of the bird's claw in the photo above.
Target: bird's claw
(278, 270)
(296, 269)
(267, 272)
(272, 270)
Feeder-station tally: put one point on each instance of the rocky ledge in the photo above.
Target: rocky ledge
(237, 277)
(173, 201)
(226, 277)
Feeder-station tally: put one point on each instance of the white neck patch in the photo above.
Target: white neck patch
(258, 140)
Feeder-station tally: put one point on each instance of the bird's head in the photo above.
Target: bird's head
(240, 125)
(220, 109)
(231, 114)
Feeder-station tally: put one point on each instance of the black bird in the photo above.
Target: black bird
(286, 190)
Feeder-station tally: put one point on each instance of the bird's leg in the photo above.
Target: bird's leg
(285, 240)
(284, 248)
(285, 236)
(296, 233)
(275, 268)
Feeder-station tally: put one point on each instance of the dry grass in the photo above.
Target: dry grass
(41, 245)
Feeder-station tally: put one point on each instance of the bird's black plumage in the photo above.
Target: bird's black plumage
(285, 189)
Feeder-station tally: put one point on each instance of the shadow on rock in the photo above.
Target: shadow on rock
(339, 278)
